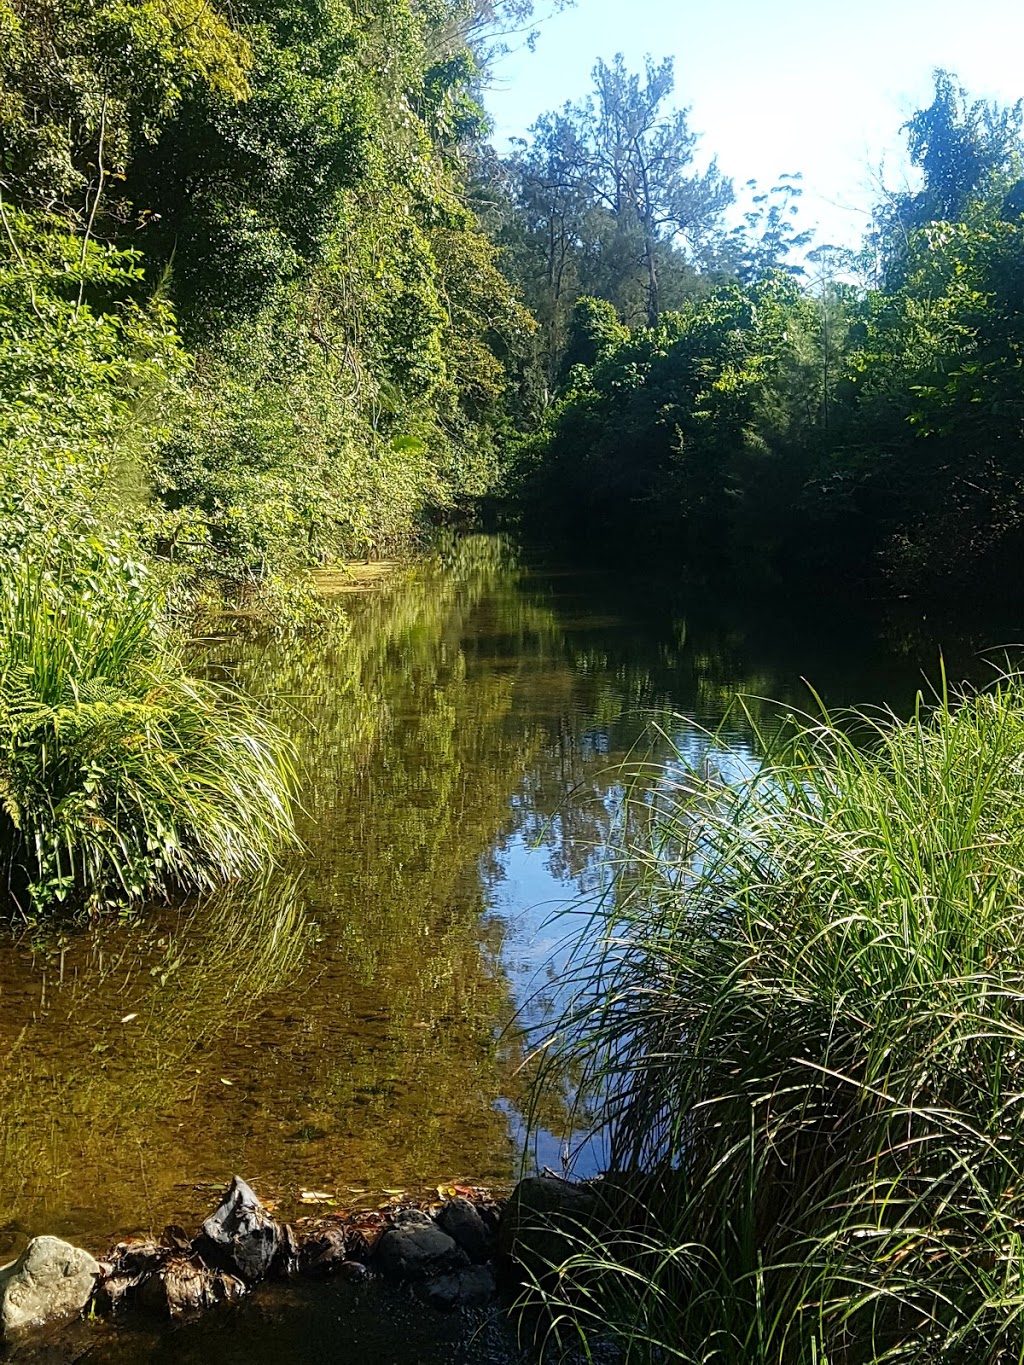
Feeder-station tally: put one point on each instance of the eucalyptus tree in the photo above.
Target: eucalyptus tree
(634, 156)
(620, 165)
(969, 156)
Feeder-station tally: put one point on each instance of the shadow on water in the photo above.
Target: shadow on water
(345, 1025)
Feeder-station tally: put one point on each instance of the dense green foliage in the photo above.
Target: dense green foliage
(248, 326)
(830, 415)
(801, 1025)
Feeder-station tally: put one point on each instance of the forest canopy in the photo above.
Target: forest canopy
(758, 401)
(269, 300)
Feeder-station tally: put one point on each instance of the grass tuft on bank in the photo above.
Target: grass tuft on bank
(122, 777)
(804, 1025)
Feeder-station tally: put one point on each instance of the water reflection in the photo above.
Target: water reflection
(345, 1025)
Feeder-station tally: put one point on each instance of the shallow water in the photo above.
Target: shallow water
(346, 1026)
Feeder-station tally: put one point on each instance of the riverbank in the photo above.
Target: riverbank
(345, 1023)
(462, 1255)
(446, 1253)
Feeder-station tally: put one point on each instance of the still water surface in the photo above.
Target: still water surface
(346, 1026)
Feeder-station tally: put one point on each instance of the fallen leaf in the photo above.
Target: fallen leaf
(128, 1018)
(316, 1197)
(224, 1081)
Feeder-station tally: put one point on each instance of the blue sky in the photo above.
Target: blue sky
(781, 85)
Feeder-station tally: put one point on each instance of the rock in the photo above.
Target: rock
(415, 1248)
(240, 1236)
(131, 1264)
(184, 1285)
(541, 1222)
(288, 1258)
(474, 1287)
(50, 1279)
(460, 1219)
(326, 1253)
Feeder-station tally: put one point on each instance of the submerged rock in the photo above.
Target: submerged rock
(415, 1248)
(474, 1287)
(240, 1236)
(50, 1279)
(462, 1222)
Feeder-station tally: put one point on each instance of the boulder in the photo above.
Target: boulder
(542, 1221)
(415, 1248)
(240, 1237)
(461, 1221)
(50, 1279)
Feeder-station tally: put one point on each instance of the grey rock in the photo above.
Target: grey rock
(464, 1225)
(416, 1249)
(50, 1279)
(473, 1287)
(240, 1236)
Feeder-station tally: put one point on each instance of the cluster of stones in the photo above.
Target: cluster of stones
(446, 1255)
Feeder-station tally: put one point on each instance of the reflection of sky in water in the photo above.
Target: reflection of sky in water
(550, 914)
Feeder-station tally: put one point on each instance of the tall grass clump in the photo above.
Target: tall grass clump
(121, 777)
(803, 1023)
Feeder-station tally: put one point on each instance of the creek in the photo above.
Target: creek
(349, 1028)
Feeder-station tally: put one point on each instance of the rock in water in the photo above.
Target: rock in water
(474, 1287)
(131, 1265)
(416, 1248)
(50, 1279)
(543, 1222)
(289, 1253)
(240, 1236)
(464, 1225)
(325, 1253)
(184, 1286)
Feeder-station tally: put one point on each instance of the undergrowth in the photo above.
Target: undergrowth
(122, 777)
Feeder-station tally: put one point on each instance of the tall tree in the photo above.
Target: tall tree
(967, 151)
(631, 157)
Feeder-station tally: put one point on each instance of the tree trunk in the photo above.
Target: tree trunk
(653, 300)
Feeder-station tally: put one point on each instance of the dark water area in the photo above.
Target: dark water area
(350, 1026)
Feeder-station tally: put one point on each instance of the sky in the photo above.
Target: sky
(780, 86)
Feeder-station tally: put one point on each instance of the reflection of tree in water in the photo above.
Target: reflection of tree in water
(373, 1060)
(342, 1025)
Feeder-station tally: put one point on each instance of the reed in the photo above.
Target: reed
(121, 777)
(802, 1031)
